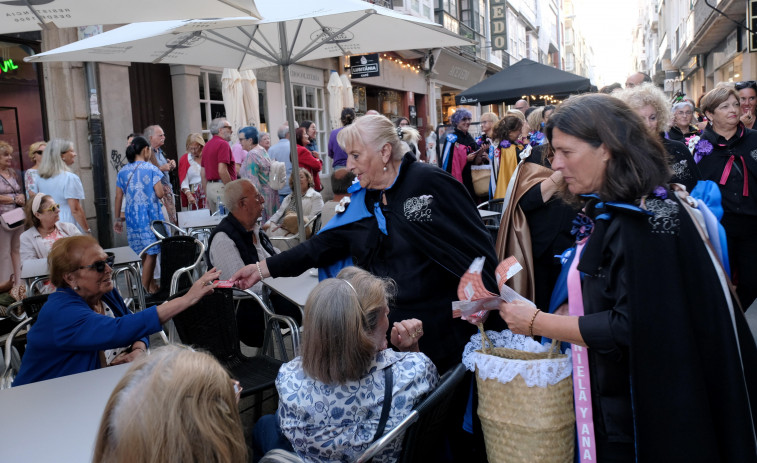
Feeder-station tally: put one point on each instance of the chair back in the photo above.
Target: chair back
(433, 413)
(211, 325)
(25, 311)
(423, 426)
(162, 229)
(177, 252)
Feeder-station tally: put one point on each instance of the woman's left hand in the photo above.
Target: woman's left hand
(405, 335)
(19, 200)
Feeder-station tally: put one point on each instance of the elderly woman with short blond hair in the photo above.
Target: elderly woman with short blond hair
(190, 173)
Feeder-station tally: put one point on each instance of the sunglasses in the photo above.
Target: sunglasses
(99, 266)
(746, 84)
(38, 152)
(53, 208)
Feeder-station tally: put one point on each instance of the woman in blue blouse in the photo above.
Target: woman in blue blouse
(330, 398)
(85, 325)
(140, 181)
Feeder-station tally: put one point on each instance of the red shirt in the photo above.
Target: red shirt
(216, 151)
(306, 160)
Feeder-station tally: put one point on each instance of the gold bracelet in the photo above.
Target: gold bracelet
(531, 326)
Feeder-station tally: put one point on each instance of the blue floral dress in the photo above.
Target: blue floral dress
(336, 423)
(142, 204)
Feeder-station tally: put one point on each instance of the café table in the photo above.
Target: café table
(295, 289)
(57, 419)
(198, 223)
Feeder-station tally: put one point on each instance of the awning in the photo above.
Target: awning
(525, 77)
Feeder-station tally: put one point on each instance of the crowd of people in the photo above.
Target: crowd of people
(646, 202)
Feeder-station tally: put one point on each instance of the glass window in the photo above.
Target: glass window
(211, 99)
(309, 105)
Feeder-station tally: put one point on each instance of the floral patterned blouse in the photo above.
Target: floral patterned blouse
(336, 423)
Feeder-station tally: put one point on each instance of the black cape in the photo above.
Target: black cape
(692, 364)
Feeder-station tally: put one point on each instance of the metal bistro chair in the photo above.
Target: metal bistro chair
(424, 424)
(492, 223)
(25, 312)
(274, 333)
(288, 242)
(163, 229)
(179, 257)
(211, 325)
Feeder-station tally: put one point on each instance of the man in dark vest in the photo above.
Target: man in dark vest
(238, 241)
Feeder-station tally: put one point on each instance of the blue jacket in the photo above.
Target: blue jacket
(68, 335)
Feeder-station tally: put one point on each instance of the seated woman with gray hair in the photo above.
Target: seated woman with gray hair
(176, 405)
(331, 397)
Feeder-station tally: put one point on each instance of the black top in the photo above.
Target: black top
(742, 145)
(685, 170)
(549, 226)
(677, 134)
(434, 233)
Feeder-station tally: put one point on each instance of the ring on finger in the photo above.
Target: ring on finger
(413, 335)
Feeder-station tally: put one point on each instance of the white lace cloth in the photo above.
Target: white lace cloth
(535, 372)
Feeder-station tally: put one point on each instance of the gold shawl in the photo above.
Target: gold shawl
(514, 237)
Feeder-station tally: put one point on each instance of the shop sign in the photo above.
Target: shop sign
(306, 75)
(7, 65)
(364, 66)
(498, 24)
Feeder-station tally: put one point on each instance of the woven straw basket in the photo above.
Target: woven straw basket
(526, 424)
(480, 176)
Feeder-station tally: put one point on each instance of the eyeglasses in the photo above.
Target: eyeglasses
(38, 152)
(242, 139)
(99, 266)
(226, 127)
(53, 208)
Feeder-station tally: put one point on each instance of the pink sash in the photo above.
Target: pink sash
(459, 159)
(581, 380)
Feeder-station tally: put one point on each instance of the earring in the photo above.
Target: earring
(385, 169)
(76, 288)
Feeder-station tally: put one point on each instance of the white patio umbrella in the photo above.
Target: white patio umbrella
(348, 100)
(32, 15)
(231, 89)
(250, 97)
(334, 88)
(292, 31)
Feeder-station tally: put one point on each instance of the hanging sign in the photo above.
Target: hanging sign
(364, 66)
(497, 13)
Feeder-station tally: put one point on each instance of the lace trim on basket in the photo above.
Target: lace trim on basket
(539, 373)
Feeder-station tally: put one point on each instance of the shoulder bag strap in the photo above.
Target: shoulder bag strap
(388, 385)
(9, 184)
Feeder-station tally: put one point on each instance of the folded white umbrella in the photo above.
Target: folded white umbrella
(334, 88)
(250, 97)
(31, 15)
(291, 31)
(231, 89)
(348, 100)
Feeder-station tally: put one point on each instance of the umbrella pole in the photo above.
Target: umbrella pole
(289, 100)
